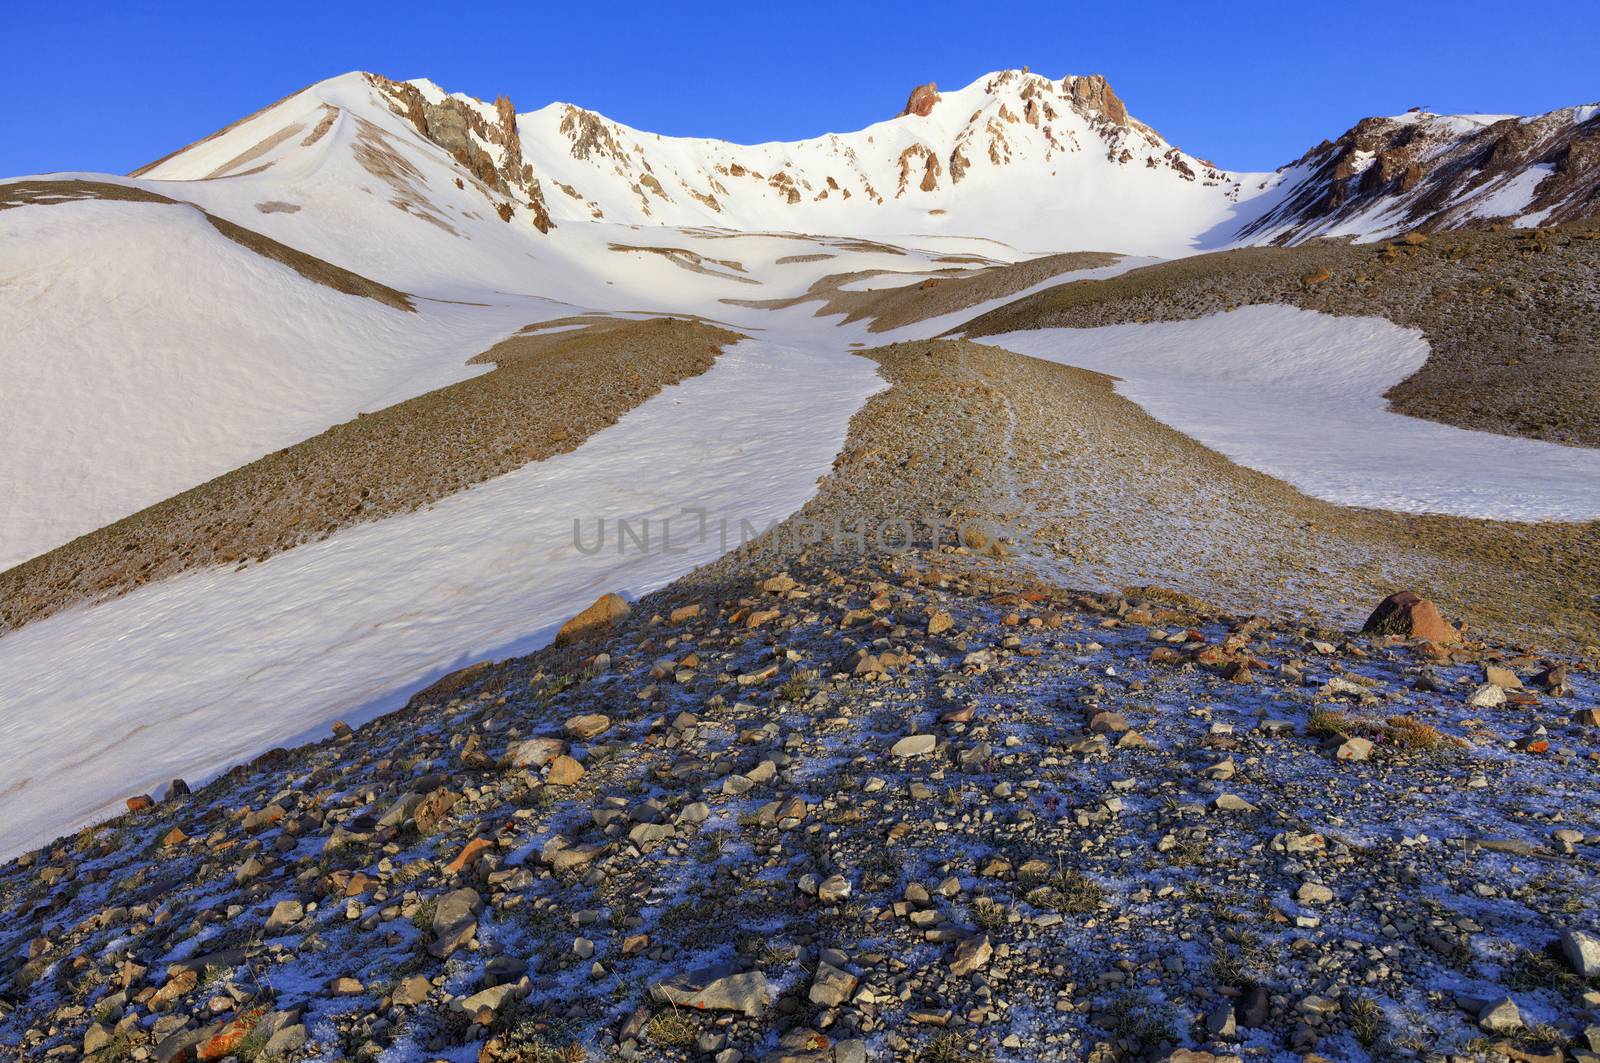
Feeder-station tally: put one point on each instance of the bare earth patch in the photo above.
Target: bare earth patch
(892, 308)
(44, 193)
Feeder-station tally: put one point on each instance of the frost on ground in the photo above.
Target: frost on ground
(859, 809)
(1299, 396)
(191, 675)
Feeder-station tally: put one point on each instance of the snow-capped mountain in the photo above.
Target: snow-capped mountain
(1044, 164)
(1040, 163)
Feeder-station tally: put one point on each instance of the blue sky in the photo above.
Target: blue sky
(108, 87)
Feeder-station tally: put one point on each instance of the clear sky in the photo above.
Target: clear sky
(110, 86)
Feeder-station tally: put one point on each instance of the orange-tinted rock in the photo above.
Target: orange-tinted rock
(606, 612)
(469, 854)
(563, 771)
(1412, 616)
(139, 802)
(922, 99)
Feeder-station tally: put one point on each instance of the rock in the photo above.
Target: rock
(285, 1041)
(607, 611)
(831, 986)
(284, 915)
(1233, 803)
(412, 991)
(589, 725)
(182, 1044)
(1504, 678)
(1409, 614)
(468, 855)
(833, 889)
(921, 100)
(140, 802)
(1313, 893)
(1582, 950)
(971, 955)
(455, 921)
(563, 771)
(914, 746)
(1352, 748)
(1487, 696)
(718, 988)
(939, 622)
(535, 752)
(1500, 1016)
(1095, 95)
(1220, 1022)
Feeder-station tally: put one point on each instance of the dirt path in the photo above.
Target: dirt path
(1096, 493)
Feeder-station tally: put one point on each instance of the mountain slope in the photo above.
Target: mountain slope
(1428, 171)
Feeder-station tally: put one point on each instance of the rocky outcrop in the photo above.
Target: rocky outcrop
(1431, 172)
(922, 99)
(462, 130)
(1094, 95)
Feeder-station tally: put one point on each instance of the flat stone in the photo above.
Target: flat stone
(718, 988)
(915, 746)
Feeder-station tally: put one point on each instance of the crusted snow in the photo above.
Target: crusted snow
(1511, 195)
(146, 353)
(1298, 395)
(107, 701)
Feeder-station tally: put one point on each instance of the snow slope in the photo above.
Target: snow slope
(1299, 396)
(146, 353)
(189, 676)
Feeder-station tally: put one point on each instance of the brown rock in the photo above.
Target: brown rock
(922, 99)
(1407, 613)
(139, 802)
(563, 771)
(606, 612)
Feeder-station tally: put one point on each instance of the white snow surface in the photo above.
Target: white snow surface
(186, 677)
(146, 353)
(1298, 395)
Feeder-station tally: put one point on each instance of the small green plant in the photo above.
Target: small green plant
(1366, 1020)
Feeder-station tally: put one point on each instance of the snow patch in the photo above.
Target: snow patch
(1298, 395)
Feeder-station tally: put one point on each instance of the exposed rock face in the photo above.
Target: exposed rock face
(1094, 95)
(922, 99)
(467, 135)
(1431, 171)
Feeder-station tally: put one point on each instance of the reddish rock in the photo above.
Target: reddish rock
(607, 611)
(1407, 613)
(469, 855)
(139, 802)
(922, 99)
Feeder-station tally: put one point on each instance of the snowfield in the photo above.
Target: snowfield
(187, 677)
(1299, 396)
(145, 353)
